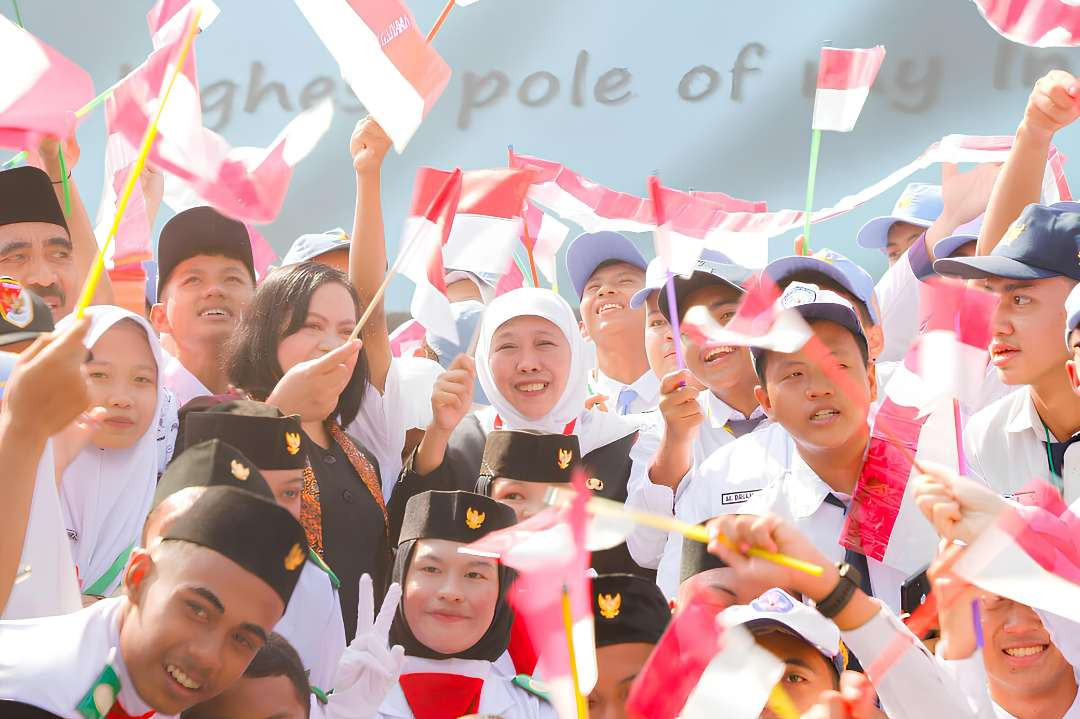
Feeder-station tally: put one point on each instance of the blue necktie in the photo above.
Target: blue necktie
(855, 559)
(625, 399)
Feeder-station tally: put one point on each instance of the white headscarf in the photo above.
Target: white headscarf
(106, 493)
(594, 428)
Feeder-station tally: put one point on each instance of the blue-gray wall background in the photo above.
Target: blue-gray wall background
(946, 71)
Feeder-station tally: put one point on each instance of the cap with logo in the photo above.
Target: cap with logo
(813, 303)
(712, 268)
(919, 204)
(528, 456)
(210, 464)
(23, 315)
(27, 195)
(453, 516)
(832, 264)
(253, 532)
(307, 247)
(778, 611)
(1042, 242)
(628, 609)
(201, 231)
(590, 250)
(270, 439)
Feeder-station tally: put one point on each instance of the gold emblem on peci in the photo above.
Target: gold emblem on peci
(595, 484)
(294, 558)
(292, 443)
(239, 470)
(474, 519)
(610, 605)
(1014, 231)
(566, 456)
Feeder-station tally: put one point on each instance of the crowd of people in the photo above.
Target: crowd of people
(221, 505)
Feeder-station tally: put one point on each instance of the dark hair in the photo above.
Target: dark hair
(823, 281)
(277, 658)
(762, 358)
(278, 310)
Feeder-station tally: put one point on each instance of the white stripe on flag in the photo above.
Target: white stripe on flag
(748, 249)
(18, 49)
(372, 76)
(838, 110)
(430, 307)
(737, 682)
(481, 243)
(953, 369)
(996, 563)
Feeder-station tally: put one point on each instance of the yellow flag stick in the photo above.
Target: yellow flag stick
(133, 177)
(568, 626)
(610, 508)
(781, 704)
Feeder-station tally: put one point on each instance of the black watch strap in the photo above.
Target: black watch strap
(842, 593)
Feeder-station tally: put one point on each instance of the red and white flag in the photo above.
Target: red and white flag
(427, 230)
(549, 552)
(512, 279)
(487, 224)
(132, 243)
(166, 19)
(40, 89)
(953, 346)
(760, 321)
(1031, 555)
(262, 253)
(737, 682)
(383, 57)
(248, 184)
(1038, 23)
(407, 338)
(843, 84)
(547, 235)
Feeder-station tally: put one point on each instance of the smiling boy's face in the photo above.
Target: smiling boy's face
(807, 399)
(720, 367)
(605, 303)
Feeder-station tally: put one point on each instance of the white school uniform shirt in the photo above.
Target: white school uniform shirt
(499, 696)
(1005, 445)
(181, 382)
(50, 587)
(312, 623)
(762, 473)
(385, 417)
(898, 302)
(52, 663)
(652, 548)
(646, 387)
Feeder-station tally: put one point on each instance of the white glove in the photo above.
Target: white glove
(369, 668)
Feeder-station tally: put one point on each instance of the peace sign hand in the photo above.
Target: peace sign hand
(369, 668)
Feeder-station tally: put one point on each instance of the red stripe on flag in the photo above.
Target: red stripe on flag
(950, 305)
(494, 193)
(841, 69)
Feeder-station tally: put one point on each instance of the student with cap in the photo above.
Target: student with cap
(806, 464)
(659, 342)
(206, 278)
(49, 253)
(1030, 432)
(275, 445)
(520, 466)
(301, 319)
(916, 209)
(962, 198)
(606, 269)
(327, 248)
(702, 408)
(630, 615)
(195, 610)
(45, 392)
(453, 619)
(274, 685)
(530, 361)
(914, 686)
(107, 465)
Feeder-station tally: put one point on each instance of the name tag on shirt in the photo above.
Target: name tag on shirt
(737, 497)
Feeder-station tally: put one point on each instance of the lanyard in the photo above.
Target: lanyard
(1055, 478)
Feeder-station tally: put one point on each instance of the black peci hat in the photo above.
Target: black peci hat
(628, 609)
(268, 438)
(454, 516)
(26, 195)
(201, 231)
(528, 456)
(210, 464)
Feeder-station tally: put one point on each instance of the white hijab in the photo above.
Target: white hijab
(106, 493)
(594, 428)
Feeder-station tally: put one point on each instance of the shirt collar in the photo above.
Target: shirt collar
(647, 386)
(718, 412)
(128, 697)
(1023, 416)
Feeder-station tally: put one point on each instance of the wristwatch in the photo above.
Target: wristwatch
(835, 601)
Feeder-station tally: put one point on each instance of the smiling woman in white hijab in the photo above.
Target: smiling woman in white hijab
(107, 484)
(530, 362)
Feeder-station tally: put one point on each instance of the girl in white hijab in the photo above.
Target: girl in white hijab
(531, 364)
(108, 483)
